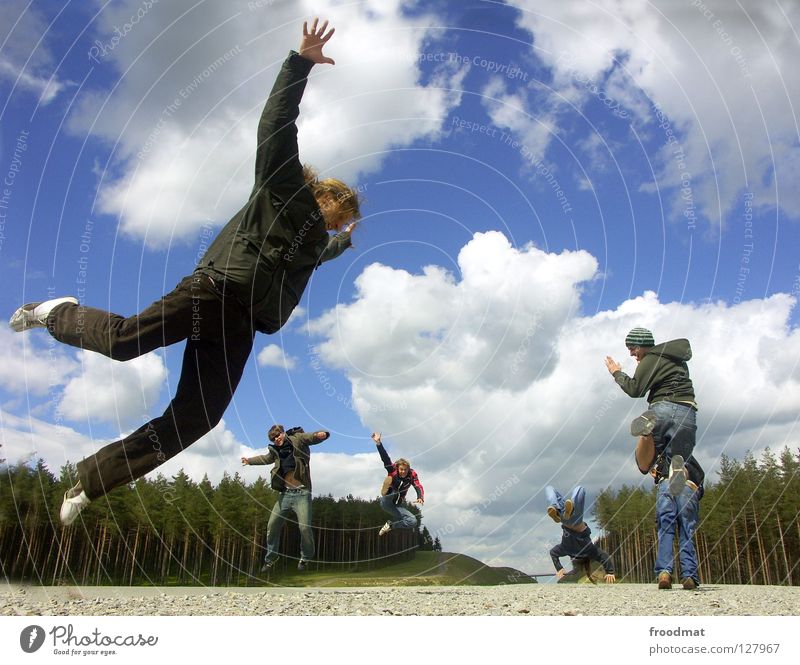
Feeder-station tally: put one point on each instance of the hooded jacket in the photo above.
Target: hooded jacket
(265, 255)
(300, 443)
(662, 371)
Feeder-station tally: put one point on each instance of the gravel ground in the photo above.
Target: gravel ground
(512, 600)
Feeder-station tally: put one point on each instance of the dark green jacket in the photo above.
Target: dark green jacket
(662, 371)
(265, 255)
(300, 443)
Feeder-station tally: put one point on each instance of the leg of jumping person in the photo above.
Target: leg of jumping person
(213, 362)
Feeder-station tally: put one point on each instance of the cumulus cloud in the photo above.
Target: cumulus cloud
(113, 392)
(25, 60)
(715, 74)
(32, 364)
(273, 356)
(504, 390)
(185, 140)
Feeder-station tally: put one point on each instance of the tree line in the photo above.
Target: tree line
(175, 531)
(748, 532)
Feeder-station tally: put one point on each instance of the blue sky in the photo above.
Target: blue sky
(539, 177)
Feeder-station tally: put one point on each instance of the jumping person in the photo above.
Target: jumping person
(249, 281)
(394, 489)
(661, 370)
(674, 512)
(290, 476)
(576, 536)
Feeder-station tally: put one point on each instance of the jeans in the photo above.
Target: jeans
(675, 429)
(679, 513)
(219, 339)
(578, 497)
(299, 502)
(401, 518)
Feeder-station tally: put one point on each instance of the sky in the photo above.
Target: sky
(539, 178)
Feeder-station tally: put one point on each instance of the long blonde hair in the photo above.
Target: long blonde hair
(347, 198)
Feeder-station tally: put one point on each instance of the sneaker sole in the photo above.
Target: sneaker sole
(553, 513)
(20, 322)
(643, 425)
(568, 508)
(677, 479)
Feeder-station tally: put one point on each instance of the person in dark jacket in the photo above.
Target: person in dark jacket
(249, 280)
(576, 536)
(401, 477)
(290, 475)
(663, 374)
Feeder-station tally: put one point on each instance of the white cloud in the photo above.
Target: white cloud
(26, 60)
(33, 363)
(503, 387)
(178, 165)
(273, 356)
(720, 71)
(113, 392)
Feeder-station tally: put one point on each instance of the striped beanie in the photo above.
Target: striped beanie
(640, 337)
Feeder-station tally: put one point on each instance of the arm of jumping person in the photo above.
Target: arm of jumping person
(269, 458)
(642, 379)
(277, 159)
(387, 461)
(387, 483)
(645, 453)
(418, 487)
(338, 243)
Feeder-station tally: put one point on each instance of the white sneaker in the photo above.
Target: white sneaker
(677, 476)
(386, 528)
(75, 500)
(34, 314)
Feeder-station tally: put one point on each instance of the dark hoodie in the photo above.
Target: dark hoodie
(662, 371)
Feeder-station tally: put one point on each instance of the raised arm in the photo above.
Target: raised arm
(277, 159)
(387, 461)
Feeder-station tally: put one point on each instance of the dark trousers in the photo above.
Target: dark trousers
(219, 338)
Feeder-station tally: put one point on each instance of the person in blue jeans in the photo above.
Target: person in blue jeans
(675, 512)
(290, 476)
(663, 374)
(576, 536)
(400, 478)
(569, 511)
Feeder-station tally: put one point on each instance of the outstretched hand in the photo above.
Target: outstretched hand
(612, 365)
(312, 42)
(376, 437)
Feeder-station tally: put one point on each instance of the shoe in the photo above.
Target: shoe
(301, 566)
(644, 425)
(689, 584)
(553, 512)
(34, 314)
(386, 528)
(677, 476)
(664, 580)
(568, 508)
(75, 500)
(266, 567)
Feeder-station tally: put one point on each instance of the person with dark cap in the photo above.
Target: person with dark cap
(663, 375)
(576, 536)
(666, 439)
(250, 280)
(290, 476)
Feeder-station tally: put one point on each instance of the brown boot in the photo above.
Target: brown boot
(689, 584)
(664, 580)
